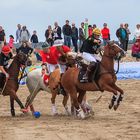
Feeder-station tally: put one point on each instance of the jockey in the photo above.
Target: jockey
(54, 56)
(5, 56)
(60, 54)
(89, 48)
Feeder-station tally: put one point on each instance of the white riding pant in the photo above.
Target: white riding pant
(51, 67)
(91, 57)
(62, 68)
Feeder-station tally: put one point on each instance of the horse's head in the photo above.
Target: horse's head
(23, 59)
(71, 58)
(113, 50)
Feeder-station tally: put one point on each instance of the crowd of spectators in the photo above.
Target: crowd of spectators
(72, 35)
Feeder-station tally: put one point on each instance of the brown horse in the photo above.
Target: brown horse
(104, 81)
(11, 86)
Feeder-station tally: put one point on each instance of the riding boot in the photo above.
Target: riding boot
(89, 75)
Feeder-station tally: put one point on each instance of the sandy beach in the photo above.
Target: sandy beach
(105, 124)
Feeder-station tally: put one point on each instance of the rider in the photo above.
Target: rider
(5, 56)
(49, 62)
(90, 50)
(60, 55)
(54, 56)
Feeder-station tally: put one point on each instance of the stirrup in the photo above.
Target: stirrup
(84, 79)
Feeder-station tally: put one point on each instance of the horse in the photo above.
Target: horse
(35, 84)
(104, 81)
(11, 86)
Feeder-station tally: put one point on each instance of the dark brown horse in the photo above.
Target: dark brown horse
(11, 86)
(104, 81)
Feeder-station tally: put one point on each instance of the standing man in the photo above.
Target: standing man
(2, 38)
(105, 34)
(128, 33)
(18, 31)
(49, 35)
(67, 34)
(74, 37)
(81, 35)
(121, 33)
(57, 31)
(86, 28)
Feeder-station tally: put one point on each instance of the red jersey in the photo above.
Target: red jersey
(90, 31)
(58, 53)
(53, 55)
(49, 57)
(105, 33)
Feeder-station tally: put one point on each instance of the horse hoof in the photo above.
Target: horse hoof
(116, 107)
(110, 106)
(13, 113)
(80, 114)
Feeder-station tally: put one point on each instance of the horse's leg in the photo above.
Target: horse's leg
(54, 110)
(73, 112)
(120, 98)
(64, 102)
(13, 95)
(80, 100)
(32, 109)
(114, 97)
(12, 106)
(73, 94)
(30, 100)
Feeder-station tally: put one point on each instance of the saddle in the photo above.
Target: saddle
(92, 76)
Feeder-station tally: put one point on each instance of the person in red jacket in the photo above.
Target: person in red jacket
(105, 34)
(136, 49)
(53, 57)
(60, 54)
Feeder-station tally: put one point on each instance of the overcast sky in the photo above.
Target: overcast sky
(38, 14)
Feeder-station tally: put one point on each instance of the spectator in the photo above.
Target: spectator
(2, 38)
(86, 28)
(34, 40)
(136, 49)
(49, 35)
(24, 48)
(94, 26)
(11, 43)
(128, 33)
(18, 32)
(81, 35)
(137, 32)
(74, 37)
(90, 30)
(67, 34)
(57, 31)
(105, 34)
(121, 33)
(24, 34)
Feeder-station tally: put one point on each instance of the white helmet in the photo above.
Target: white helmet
(58, 43)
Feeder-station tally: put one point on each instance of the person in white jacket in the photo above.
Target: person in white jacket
(137, 31)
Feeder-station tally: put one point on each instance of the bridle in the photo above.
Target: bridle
(112, 56)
